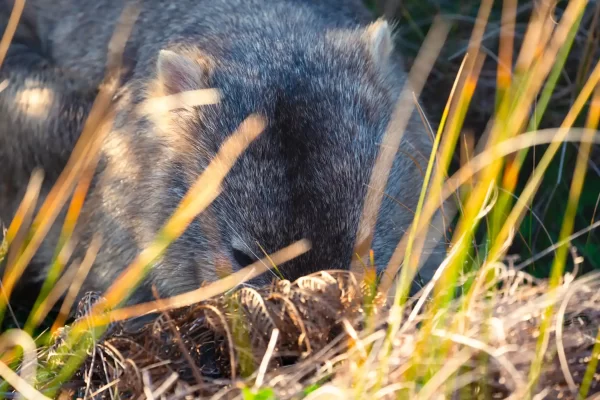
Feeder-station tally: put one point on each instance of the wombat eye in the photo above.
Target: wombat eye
(242, 259)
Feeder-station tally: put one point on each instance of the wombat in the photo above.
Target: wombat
(323, 74)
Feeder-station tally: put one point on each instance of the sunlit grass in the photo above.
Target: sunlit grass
(544, 53)
(492, 174)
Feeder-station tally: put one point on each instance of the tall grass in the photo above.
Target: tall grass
(525, 82)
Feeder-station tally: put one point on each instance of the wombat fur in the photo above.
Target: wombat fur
(325, 76)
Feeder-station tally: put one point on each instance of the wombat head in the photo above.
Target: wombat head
(327, 100)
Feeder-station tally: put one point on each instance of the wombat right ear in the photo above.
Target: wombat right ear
(179, 73)
(379, 41)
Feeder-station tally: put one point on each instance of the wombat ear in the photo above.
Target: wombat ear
(379, 39)
(180, 73)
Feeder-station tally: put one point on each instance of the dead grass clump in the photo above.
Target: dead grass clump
(226, 337)
(201, 351)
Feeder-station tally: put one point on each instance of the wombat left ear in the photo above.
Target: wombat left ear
(379, 39)
(179, 73)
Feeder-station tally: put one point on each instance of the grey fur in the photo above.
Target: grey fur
(325, 81)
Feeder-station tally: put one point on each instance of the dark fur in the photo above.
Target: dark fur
(326, 87)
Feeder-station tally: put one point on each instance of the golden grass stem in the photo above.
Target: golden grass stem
(208, 291)
(26, 206)
(11, 28)
(569, 218)
(393, 266)
(85, 153)
(394, 133)
(505, 53)
(530, 189)
(199, 197)
(77, 282)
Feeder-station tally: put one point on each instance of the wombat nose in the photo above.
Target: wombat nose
(242, 258)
